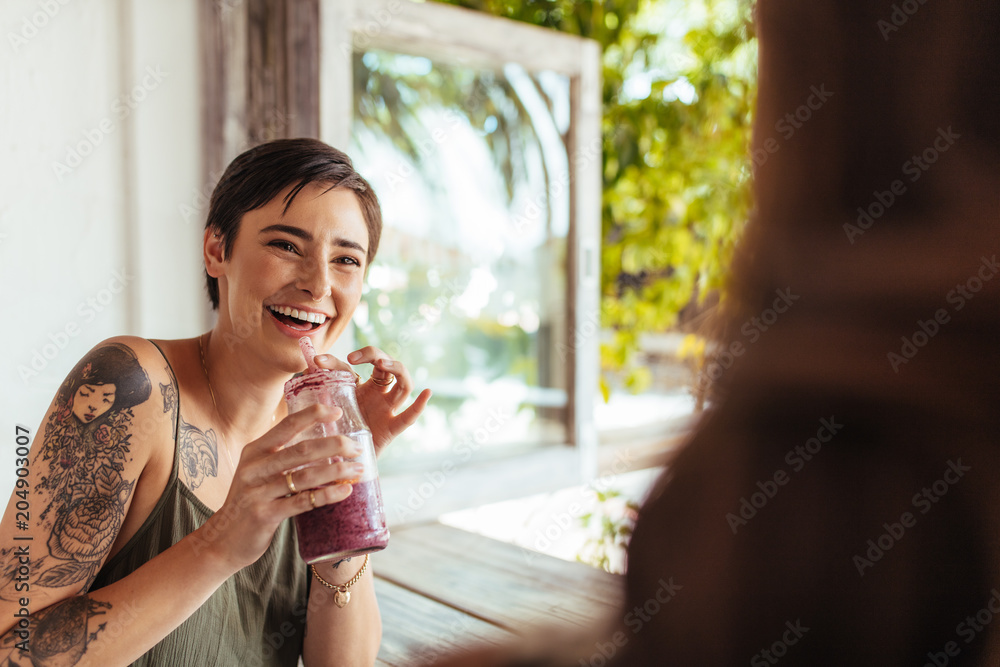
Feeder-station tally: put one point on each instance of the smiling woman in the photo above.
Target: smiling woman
(136, 508)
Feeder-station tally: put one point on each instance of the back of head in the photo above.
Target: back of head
(835, 506)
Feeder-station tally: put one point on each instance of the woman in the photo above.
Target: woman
(837, 505)
(159, 530)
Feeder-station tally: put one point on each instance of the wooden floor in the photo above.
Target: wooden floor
(441, 589)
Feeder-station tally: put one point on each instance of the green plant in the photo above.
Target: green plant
(609, 529)
(679, 86)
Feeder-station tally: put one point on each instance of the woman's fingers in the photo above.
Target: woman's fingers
(323, 474)
(317, 450)
(332, 363)
(292, 426)
(388, 375)
(405, 419)
(313, 498)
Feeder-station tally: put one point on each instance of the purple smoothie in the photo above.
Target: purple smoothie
(349, 528)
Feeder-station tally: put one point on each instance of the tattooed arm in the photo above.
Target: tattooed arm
(100, 433)
(96, 469)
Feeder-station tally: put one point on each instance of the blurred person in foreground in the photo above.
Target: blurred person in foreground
(153, 525)
(837, 505)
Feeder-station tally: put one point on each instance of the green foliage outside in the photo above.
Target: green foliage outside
(679, 90)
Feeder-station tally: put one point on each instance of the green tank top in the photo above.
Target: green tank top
(255, 619)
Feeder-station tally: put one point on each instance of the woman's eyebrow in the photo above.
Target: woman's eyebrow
(298, 232)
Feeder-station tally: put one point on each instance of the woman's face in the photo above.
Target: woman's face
(295, 274)
(92, 400)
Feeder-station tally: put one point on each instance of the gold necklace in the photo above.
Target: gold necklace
(204, 367)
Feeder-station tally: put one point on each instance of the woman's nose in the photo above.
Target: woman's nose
(315, 279)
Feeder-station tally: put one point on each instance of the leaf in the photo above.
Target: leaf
(65, 575)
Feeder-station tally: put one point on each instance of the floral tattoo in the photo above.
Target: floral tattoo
(87, 441)
(199, 454)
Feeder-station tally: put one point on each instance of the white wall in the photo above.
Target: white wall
(99, 247)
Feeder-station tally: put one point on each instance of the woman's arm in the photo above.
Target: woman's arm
(64, 517)
(83, 469)
(342, 636)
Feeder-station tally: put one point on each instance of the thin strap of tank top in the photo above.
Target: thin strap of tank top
(175, 469)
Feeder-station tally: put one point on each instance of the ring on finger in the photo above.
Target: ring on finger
(385, 382)
(312, 499)
(290, 483)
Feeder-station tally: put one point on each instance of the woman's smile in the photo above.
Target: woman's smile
(298, 321)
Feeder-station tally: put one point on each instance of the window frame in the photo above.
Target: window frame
(469, 38)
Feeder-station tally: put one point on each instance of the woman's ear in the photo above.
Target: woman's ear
(214, 254)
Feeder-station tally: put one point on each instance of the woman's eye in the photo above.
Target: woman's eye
(347, 260)
(283, 245)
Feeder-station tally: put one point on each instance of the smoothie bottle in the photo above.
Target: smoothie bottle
(356, 525)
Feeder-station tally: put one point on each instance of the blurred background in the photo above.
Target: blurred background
(562, 182)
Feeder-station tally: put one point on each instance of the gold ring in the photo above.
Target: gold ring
(312, 499)
(290, 483)
(386, 382)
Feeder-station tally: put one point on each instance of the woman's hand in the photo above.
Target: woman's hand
(383, 395)
(262, 495)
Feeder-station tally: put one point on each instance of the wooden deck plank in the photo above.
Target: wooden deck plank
(500, 583)
(417, 628)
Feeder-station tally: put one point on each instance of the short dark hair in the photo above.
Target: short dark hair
(258, 175)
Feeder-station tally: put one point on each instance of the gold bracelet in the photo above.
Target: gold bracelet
(342, 595)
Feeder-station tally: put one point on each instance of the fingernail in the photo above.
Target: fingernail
(386, 363)
(354, 355)
(324, 358)
(358, 467)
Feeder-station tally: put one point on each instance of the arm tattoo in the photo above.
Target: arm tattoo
(199, 454)
(56, 636)
(86, 443)
(81, 493)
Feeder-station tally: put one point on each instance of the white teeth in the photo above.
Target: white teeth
(305, 316)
